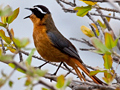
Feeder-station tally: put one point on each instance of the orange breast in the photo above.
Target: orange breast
(45, 47)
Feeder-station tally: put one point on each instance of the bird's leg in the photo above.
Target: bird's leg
(43, 64)
(57, 68)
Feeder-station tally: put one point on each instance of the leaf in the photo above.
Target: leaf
(45, 89)
(12, 32)
(10, 83)
(103, 26)
(40, 73)
(29, 59)
(1, 52)
(24, 42)
(87, 31)
(60, 81)
(2, 24)
(12, 17)
(12, 50)
(96, 29)
(82, 11)
(107, 61)
(109, 42)
(21, 43)
(89, 2)
(17, 42)
(92, 73)
(6, 58)
(100, 46)
(6, 11)
(108, 78)
(28, 81)
(2, 82)
(5, 38)
(18, 69)
(67, 83)
(108, 19)
(3, 19)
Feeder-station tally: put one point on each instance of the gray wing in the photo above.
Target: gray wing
(64, 45)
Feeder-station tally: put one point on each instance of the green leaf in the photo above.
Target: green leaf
(5, 38)
(2, 82)
(107, 61)
(109, 42)
(3, 19)
(6, 11)
(82, 11)
(87, 31)
(28, 82)
(29, 59)
(17, 42)
(24, 42)
(18, 69)
(103, 26)
(12, 17)
(40, 73)
(6, 58)
(10, 83)
(45, 89)
(100, 46)
(21, 43)
(92, 73)
(2, 24)
(67, 83)
(60, 81)
(1, 52)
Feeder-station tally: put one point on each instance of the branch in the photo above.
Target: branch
(82, 41)
(11, 37)
(102, 0)
(3, 48)
(118, 18)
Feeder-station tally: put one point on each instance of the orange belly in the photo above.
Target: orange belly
(45, 47)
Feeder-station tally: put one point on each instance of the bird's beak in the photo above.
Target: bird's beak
(29, 15)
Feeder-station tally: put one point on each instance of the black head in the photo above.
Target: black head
(39, 11)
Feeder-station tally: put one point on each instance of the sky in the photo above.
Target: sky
(68, 24)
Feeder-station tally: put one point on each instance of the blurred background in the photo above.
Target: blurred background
(67, 23)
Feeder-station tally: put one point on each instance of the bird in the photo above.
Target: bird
(52, 45)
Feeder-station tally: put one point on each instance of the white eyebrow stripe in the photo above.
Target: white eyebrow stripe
(41, 10)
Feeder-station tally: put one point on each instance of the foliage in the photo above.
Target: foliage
(105, 46)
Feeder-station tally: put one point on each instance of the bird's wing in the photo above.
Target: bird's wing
(63, 44)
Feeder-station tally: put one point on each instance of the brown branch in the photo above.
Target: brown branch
(3, 48)
(68, 3)
(105, 16)
(11, 37)
(107, 9)
(82, 41)
(47, 85)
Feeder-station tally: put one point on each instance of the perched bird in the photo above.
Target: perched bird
(52, 45)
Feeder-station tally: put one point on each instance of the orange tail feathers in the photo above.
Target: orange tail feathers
(75, 63)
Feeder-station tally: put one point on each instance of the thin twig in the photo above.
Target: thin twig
(47, 85)
(107, 9)
(82, 41)
(11, 37)
(68, 3)
(3, 48)
(117, 18)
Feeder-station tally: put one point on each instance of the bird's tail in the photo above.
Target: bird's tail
(75, 64)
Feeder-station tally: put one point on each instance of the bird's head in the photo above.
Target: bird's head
(39, 13)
